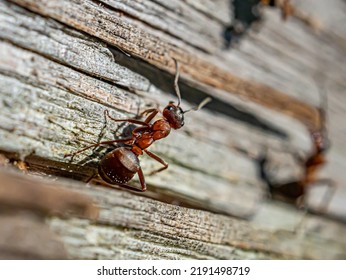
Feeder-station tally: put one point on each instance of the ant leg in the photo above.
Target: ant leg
(141, 179)
(160, 160)
(328, 194)
(98, 144)
(323, 206)
(301, 202)
(131, 188)
(90, 178)
(151, 116)
(148, 111)
(299, 229)
(125, 120)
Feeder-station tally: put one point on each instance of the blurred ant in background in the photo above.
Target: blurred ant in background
(289, 10)
(285, 6)
(295, 192)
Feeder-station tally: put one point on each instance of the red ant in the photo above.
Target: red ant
(287, 9)
(120, 165)
(295, 192)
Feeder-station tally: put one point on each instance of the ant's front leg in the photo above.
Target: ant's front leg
(160, 160)
(153, 112)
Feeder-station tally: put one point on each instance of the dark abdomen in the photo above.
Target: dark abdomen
(118, 166)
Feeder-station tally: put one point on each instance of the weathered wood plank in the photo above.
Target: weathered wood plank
(23, 236)
(25, 202)
(75, 119)
(47, 201)
(132, 226)
(202, 32)
(122, 33)
(217, 9)
(329, 13)
(65, 45)
(57, 81)
(238, 136)
(272, 55)
(274, 50)
(21, 31)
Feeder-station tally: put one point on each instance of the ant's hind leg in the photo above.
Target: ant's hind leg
(131, 188)
(142, 181)
(91, 177)
(99, 144)
(299, 229)
(322, 209)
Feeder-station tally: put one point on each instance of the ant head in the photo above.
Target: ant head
(174, 115)
(321, 144)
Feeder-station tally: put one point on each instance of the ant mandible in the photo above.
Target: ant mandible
(120, 165)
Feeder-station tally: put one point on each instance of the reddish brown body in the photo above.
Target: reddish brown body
(120, 165)
(294, 192)
(119, 159)
(287, 9)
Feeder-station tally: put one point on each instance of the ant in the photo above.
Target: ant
(287, 9)
(295, 192)
(121, 164)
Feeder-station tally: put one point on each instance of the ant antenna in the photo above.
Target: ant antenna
(322, 109)
(176, 87)
(125, 53)
(177, 90)
(202, 104)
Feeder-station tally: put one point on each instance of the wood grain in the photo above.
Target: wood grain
(46, 200)
(62, 63)
(160, 53)
(48, 92)
(25, 203)
(134, 227)
(22, 236)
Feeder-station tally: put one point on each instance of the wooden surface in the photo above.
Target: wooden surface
(128, 226)
(25, 204)
(63, 63)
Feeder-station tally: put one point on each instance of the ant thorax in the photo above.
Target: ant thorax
(161, 128)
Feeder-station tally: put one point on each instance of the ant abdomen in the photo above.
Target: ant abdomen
(119, 166)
